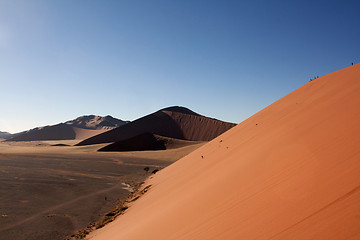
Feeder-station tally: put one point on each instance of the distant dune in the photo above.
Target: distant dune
(173, 122)
(290, 171)
(146, 141)
(79, 128)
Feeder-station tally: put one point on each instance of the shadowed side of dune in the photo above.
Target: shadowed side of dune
(56, 132)
(145, 142)
(142, 142)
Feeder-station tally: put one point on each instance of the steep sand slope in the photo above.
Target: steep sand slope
(290, 171)
(173, 122)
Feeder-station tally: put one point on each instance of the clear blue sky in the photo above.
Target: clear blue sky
(60, 59)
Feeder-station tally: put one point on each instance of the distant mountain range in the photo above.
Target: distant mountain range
(166, 128)
(4, 134)
(96, 122)
(80, 128)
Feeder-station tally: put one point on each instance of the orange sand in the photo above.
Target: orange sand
(291, 171)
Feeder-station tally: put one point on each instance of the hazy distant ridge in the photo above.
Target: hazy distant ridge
(79, 128)
(96, 122)
(4, 134)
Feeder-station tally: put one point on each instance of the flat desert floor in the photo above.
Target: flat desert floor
(50, 192)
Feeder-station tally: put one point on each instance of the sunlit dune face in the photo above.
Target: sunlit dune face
(290, 171)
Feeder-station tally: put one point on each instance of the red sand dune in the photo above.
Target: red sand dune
(291, 171)
(80, 128)
(173, 122)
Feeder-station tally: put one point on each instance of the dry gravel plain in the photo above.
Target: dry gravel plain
(50, 192)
